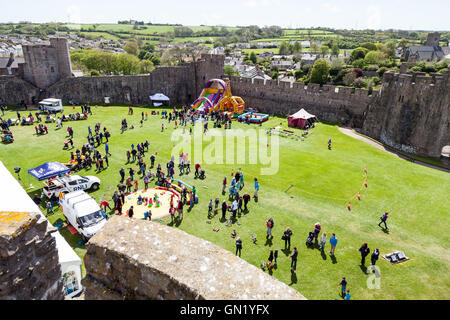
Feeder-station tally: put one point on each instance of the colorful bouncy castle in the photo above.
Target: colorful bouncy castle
(216, 96)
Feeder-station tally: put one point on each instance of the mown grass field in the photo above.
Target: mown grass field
(324, 181)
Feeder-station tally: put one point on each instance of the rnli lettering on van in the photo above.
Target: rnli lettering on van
(80, 187)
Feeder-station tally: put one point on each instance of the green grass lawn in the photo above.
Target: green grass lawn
(415, 196)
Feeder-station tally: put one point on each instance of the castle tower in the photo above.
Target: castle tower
(47, 64)
(433, 39)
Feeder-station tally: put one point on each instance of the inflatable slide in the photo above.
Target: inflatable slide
(216, 95)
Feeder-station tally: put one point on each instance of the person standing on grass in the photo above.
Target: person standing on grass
(270, 259)
(49, 208)
(234, 207)
(224, 209)
(131, 172)
(269, 224)
(317, 229)
(294, 256)
(329, 144)
(238, 246)
(287, 238)
(347, 296)
(364, 252)
(374, 256)
(383, 220)
(129, 184)
(333, 243)
(180, 210)
(246, 198)
(107, 149)
(210, 206)
(275, 256)
(343, 285)
(122, 175)
(256, 189)
(146, 182)
(323, 241)
(224, 185)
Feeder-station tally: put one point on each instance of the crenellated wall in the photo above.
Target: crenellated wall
(336, 104)
(411, 113)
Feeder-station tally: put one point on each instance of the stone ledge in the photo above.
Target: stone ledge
(147, 260)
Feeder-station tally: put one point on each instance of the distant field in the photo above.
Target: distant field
(148, 29)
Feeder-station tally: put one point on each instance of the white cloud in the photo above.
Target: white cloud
(262, 3)
(373, 17)
(331, 7)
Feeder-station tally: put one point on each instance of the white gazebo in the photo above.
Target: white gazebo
(159, 99)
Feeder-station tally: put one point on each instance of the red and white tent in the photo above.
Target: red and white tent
(300, 118)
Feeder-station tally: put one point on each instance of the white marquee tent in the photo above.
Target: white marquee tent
(159, 99)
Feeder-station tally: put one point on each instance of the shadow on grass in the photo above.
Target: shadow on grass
(323, 255)
(286, 251)
(385, 230)
(333, 259)
(363, 268)
(293, 278)
(268, 242)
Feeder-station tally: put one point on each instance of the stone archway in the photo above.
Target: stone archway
(126, 92)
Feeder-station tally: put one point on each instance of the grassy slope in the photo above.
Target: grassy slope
(416, 197)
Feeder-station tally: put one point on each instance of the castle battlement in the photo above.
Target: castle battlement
(416, 78)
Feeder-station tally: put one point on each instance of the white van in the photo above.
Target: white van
(83, 213)
(52, 105)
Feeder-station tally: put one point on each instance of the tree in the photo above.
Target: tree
(403, 44)
(373, 57)
(324, 50)
(146, 66)
(283, 49)
(390, 48)
(335, 49)
(253, 57)
(358, 53)
(369, 46)
(297, 47)
(320, 71)
(314, 47)
(229, 71)
(131, 47)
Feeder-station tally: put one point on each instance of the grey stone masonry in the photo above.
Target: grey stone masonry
(29, 267)
(137, 259)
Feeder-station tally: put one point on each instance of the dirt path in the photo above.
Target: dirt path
(349, 132)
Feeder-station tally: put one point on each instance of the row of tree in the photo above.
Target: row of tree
(106, 63)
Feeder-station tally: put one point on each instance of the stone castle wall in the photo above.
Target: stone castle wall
(182, 84)
(13, 90)
(29, 267)
(345, 106)
(411, 113)
(138, 259)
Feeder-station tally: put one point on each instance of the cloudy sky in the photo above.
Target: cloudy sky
(348, 14)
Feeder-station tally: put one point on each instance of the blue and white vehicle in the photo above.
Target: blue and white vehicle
(66, 184)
